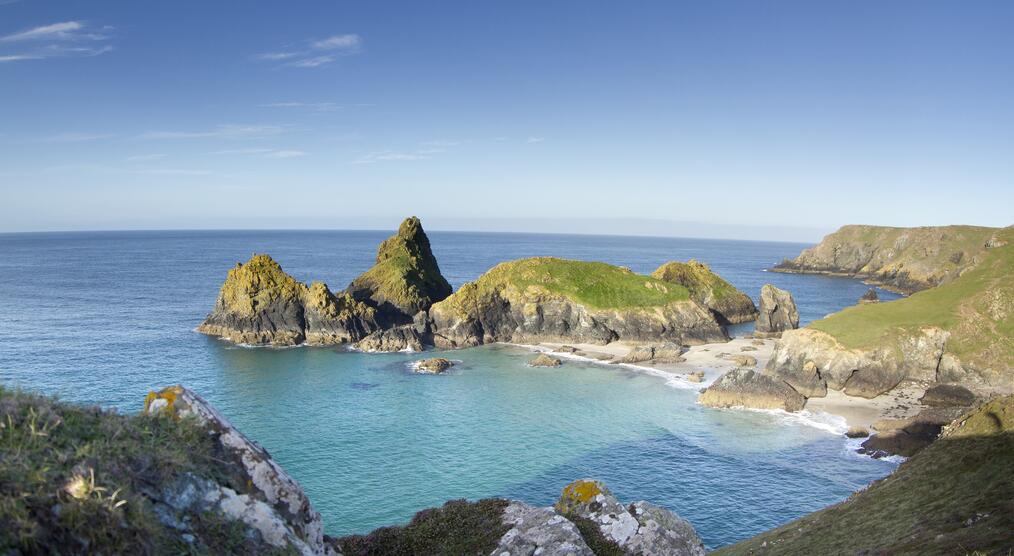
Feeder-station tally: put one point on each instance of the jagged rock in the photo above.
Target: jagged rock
(857, 432)
(539, 531)
(995, 242)
(907, 436)
(402, 338)
(543, 360)
(259, 304)
(870, 296)
(948, 395)
(641, 528)
(729, 305)
(277, 508)
(545, 299)
(777, 313)
(433, 365)
(405, 279)
(666, 353)
(746, 388)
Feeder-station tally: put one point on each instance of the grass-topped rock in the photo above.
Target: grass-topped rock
(729, 305)
(405, 279)
(549, 299)
(259, 304)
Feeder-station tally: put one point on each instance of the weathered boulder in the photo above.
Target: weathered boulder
(948, 395)
(434, 365)
(539, 531)
(554, 300)
(543, 360)
(777, 313)
(401, 338)
(259, 304)
(745, 361)
(870, 296)
(405, 279)
(857, 432)
(729, 305)
(746, 388)
(276, 507)
(665, 353)
(640, 528)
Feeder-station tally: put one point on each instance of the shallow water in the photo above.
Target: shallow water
(103, 317)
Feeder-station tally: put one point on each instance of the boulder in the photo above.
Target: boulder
(777, 313)
(729, 305)
(746, 388)
(543, 360)
(565, 349)
(870, 296)
(434, 365)
(666, 353)
(539, 531)
(948, 395)
(747, 361)
(857, 432)
(696, 376)
(907, 436)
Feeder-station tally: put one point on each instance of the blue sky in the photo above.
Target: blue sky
(772, 120)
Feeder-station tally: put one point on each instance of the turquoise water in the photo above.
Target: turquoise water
(103, 317)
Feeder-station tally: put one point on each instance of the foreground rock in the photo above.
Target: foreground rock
(561, 301)
(729, 305)
(902, 259)
(953, 497)
(259, 304)
(777, 313)
(746, 388)
(543, 360)
(405, 279)
(434, 365)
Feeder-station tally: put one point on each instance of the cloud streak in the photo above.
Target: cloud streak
(315, 52)
(65, 39)
(223, 131)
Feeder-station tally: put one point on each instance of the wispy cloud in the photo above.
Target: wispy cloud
(286, 154)
(314, 106)
(57, 40)
(315, 52)
(223, 131)
(73, 137)
(535, 140)
(145, 157)
(387, 156)
(267, 153)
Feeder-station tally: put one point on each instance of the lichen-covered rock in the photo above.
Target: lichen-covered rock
(554, 300)
(400, 338)
(277, 508)
(870, 296)
(405, 278)
(729, 305)
(259, 304)
(777, 313)
(746, 388)
(539, 531)
(434, 365)
(544, 360)
(948, 395)
(662, 532)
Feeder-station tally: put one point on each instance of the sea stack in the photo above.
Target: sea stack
(777, 313)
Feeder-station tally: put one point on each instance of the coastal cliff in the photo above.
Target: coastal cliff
(729, 305)
(902, 259)
(548, 299)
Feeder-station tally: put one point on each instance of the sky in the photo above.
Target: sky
(758, 120)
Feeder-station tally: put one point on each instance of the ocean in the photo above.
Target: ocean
(102, 317)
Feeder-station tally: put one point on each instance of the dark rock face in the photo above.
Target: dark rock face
(401, 338)
(905, 437)
(870, 296)
(259, 304)
(729, 305)
(405, 279)
(777, 313)
(948, 395)
(746, 388)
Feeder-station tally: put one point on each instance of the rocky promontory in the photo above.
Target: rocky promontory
(729, 305)
(557, 300)
(902, 259)
(777, 313)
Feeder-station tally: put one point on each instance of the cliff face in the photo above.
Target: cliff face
(405, 279)
(953, 497)
(259, 304)
(548, 299)
(729, 305)
(903, 259)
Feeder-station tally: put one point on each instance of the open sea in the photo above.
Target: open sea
(103, 317)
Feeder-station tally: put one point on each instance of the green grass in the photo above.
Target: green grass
(977, 308)
(954, 497)
(697, 277)
(593, 284)
(72, 480)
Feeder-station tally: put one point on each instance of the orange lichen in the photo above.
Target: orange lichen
(168, 394)
(578, 493)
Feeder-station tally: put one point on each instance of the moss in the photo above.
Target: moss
(698, 278)
(459, 527)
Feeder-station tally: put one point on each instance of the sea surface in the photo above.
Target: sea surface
(103, 317)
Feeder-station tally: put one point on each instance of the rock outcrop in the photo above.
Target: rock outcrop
(259, 304)
(901, 259)
(554, 300)
(778, 313)
(399, 338)
(870, 296)
(747, 388)
(948, 395)
(729, 305)
(433, 365)
(543, 360)
(405, 279)
(905, 437)
(665, 353)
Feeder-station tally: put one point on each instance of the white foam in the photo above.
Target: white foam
(832, 424)
(853, 444)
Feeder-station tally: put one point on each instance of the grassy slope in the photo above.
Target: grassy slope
(954, 497)
(697, 277)
(592, 284)
(977, 308)
(71, 480)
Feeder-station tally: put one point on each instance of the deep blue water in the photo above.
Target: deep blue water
(103, 317)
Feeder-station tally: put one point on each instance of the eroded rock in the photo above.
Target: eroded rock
(777, 313)
(746, 388)
(434, 365)
(544, 360)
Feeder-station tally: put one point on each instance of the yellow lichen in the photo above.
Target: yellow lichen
(168, 394)
(576, 494)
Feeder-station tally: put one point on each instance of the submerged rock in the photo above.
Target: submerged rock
(729, 305)
(746, 388)
(777, 313)
(543, 360)
(870, 296)
(434, 365)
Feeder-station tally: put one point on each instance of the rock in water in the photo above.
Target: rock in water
(777, 313)
(870, 296)
(746, 388)
(543, 360)
(545, 299)
(434, 365)
(259, 304)
(729, 305)
(405, 279)
(640, 528)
